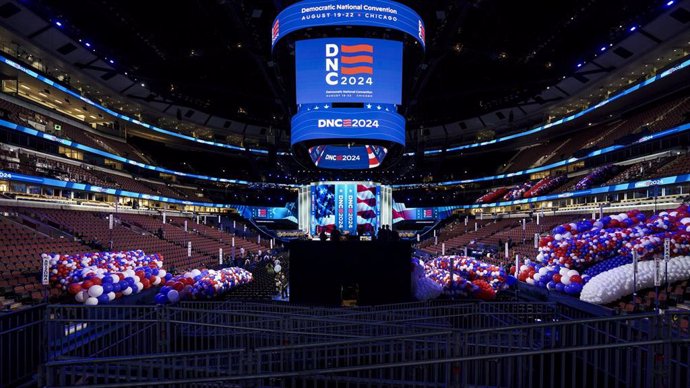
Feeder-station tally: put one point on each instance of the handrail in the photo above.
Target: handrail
(416, 363)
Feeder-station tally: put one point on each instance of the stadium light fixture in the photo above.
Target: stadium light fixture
(670, 3)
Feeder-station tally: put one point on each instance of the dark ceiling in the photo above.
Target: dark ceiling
(215, 54)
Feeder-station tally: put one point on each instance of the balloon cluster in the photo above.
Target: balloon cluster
(423, 288)
(613, 284)
(470, 276)
(597, 176)
(518, 191)
(492, 195)
(553, 277)
(545, 185)
(578, 245)
(202, 284)
(100, 278)
(579, 253)
(606, 265)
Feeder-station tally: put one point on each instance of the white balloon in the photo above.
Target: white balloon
(81, 296)
(613, 284)
(111, 296)
(127, 291)
(277, 268)
(565, 279)
(95, 291)
(91, 301)
(536, 276)
(572, 272)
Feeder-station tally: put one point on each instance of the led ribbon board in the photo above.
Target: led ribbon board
(347, 138)
(348, 70)
(348, 124)
(365, 13)
(347, 158)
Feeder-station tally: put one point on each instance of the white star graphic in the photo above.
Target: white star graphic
(316, 108)
(326, 107)
(378, 107)
(368, 106)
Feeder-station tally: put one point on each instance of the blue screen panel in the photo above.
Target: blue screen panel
(358, 157)
(349, 70)
(368, 13)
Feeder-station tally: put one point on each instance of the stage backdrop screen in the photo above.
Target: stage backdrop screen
(349, 70)
(351, 207)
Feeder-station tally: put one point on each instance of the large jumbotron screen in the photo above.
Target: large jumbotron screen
(348, 70)
(353, 207)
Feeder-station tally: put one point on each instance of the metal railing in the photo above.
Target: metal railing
(438, 344)
(21, 344)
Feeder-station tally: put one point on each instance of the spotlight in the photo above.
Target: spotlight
(670, 3)
(603, 48)
(633, 28)
(57, 23)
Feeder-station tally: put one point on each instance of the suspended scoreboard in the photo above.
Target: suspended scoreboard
(348, 89)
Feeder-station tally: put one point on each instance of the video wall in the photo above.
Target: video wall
(348, 90)
(348, 70)
(403, 213)
(353, 207)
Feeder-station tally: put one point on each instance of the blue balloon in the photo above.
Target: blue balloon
(510, 280)
(103, 299)
(107, 287)
(575, 288)
(107, 279)
(551, 285)
(161, 299)
(559, 287)
(165, 289)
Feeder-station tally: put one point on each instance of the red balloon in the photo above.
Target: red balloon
(178, 286)
(96, 281)
(74, 288)
(557, 278)
(146, 283)
(87, 284)
(576, 279)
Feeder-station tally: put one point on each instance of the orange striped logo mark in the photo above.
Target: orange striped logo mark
(357, 70)
(357, 59)
(357, 48)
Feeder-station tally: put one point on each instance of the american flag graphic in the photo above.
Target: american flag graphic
(422, 32)
(357, 59)
(262, 213)
(366, 209)
(373, 160)
(275, 31)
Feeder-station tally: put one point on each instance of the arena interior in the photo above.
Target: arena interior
(357, 193)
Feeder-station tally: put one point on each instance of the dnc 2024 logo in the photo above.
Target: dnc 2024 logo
(342, 158)
(349, 64)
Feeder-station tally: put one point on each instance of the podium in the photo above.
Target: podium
(320, 271)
